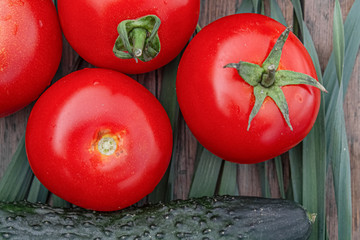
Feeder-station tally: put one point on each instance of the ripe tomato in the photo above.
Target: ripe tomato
(91, 29)
(98, 139)
(216, 102)
(30, 51)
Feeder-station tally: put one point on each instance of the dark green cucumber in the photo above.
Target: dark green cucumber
(221, 217)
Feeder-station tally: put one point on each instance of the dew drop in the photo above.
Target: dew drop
(153, 226)
(124, 237)
(160, 235)
(206, 231)
(6, 235)
(36, 227)
(108, 233)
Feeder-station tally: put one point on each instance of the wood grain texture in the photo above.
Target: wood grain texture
(318, 17)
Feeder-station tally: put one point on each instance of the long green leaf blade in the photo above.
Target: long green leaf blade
(295, 156)
(315, 145)
(228, 183)
(264, 179)
(276, 13)
(299, 15)
(18, 176)
(206, 175)
(337, 142)
(280, 175)
(340, 161)
(352, 43)
(246, 7)
(310, 182)
(37, 193)
(257, 5)
(338, 40)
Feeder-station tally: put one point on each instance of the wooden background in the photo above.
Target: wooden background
(318, 16)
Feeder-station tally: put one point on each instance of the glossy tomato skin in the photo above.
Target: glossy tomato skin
(30, 51)
(216, 102)
(91, 29)
(68, 121)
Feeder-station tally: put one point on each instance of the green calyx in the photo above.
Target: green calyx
(267, 80)
(138, 39)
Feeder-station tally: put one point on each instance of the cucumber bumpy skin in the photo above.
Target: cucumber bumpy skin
(221, 217)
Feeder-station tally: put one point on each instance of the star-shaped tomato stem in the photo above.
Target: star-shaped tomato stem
(138, 39)
(267, 80)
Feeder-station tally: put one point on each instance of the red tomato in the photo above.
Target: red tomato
(91, 29)
(98, 139)
(30, 51)
(216, 102)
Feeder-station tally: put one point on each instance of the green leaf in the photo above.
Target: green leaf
(314, 143)
(310, 47)
(298, 13)
(59, 202)
(276, 13)
(264, 179)
(310, 186)
(206, 175)
(338, 40)
(38, 193)
(337, 145)
(18, 176)
(246, 7)
(280, 175)
(296, 172)
(314, 150)
(338, 153)
(257, 5)
(228, 182)
(352, 43)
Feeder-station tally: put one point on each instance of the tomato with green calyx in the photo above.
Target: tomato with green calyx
(129, 36)
(30, 51)
(247, 88)
(98, 139)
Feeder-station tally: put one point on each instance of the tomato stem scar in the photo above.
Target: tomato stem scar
(107, 145)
